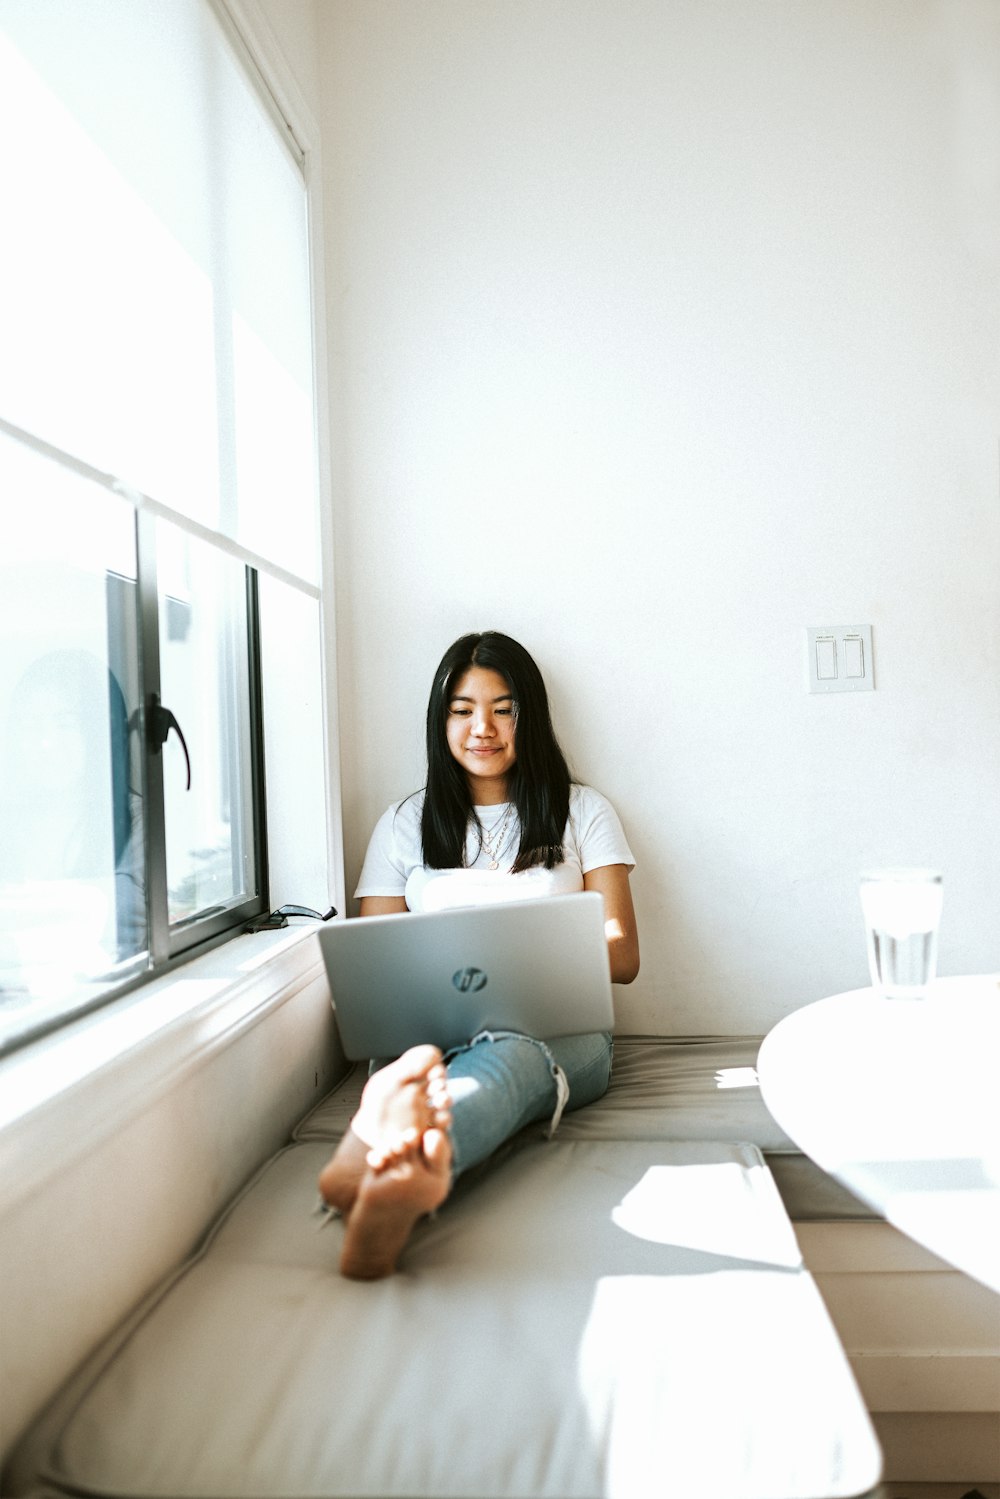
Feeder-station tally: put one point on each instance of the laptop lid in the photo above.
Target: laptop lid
(536, 966)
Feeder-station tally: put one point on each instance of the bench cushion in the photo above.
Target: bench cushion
(661, 1089)
(665, 1088)
(591, 1318)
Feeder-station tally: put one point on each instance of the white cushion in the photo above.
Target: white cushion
(588, 1319)
(665, 1088)
(661, 1089)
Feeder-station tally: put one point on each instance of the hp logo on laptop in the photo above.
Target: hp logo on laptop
(469, 980)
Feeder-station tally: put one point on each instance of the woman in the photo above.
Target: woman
(499, 819)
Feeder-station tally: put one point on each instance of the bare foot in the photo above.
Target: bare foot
(399, 1103)
(432, 1107)
(389, 1203)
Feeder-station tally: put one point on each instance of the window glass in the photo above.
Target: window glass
(204, 681)
(72, 900)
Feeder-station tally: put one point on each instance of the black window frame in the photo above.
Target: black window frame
(168, 944)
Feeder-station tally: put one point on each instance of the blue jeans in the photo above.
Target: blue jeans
(501, 1081)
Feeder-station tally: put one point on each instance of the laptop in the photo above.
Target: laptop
(535, 966)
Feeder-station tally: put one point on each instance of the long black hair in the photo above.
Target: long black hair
(538, 782)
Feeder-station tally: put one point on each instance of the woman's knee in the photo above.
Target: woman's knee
(586, 1062)
(498, 1084)
(503, 1063)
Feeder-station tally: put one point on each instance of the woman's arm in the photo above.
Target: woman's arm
(619, 919)
(382, 905)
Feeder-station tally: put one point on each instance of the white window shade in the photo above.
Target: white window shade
(294, 747)
(181, 313)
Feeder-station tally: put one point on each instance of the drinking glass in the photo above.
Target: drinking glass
(902, 911)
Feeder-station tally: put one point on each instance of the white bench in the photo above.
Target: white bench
(618, 1312)
(664, 1088)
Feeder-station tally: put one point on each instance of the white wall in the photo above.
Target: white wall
(660, 331)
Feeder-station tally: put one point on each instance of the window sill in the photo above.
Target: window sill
(134, 1049)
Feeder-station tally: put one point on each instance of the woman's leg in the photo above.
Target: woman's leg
(419, 1127)
(393, 1164)
(502, 1081)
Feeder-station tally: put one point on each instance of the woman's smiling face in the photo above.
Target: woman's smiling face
(481, 729)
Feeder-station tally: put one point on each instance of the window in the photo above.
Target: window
(159, 553)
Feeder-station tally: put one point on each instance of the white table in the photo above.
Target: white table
(900, 1101)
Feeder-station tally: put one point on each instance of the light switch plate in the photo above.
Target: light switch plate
(839, 658)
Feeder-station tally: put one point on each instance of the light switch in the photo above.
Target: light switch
(839, 658)
(854, 656)
(826, 658)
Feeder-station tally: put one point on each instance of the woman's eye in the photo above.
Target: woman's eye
(460, 712)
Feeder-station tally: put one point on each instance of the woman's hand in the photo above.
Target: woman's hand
(619, 919)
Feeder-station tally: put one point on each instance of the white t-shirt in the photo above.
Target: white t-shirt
(394, 863)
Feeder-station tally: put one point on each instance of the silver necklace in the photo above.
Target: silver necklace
(493, 849)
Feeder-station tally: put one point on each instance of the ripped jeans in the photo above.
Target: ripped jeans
(500, 1081)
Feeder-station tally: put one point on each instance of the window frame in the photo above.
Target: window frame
(168, 942)
(169, 947)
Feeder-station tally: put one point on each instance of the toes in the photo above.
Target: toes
(400, 1088)
(438, 1096)
(437, 1151)
(440, 1110)
(393, 1149)
(400, 1102)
